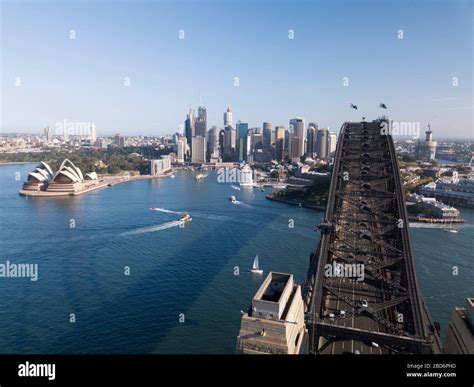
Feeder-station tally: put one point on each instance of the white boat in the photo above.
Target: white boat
(233, 199)
(172, 176)
(200, 176)
(451, 229)
(255, 268)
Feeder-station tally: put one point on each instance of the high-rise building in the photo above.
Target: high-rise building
(201, 122)
(189, 126)
(322, 143)
(198, 153)
(279, 143)
(295, 148)
(228, 117)
(332, 142)
(229, 141)
(181, 149)
(213, 143)
(311, 139)
(267, 136)
(119, 140)
(298, 130)
(93, 134)
(242, 143)
(48, 134)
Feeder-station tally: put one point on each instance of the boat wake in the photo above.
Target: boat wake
(236, 187)
(164, 210)
(158, 227)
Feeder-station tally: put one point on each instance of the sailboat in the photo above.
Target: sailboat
(255, 268)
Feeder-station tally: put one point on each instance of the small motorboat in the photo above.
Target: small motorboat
(233, 199)
(185, 218)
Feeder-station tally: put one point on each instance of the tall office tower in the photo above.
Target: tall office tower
(48, 134)
(189, 128)
(322, 143)
(93, 134)
(295, 147)
(288, 135)
(242, 143)
(228, 117)
(332, 142)
(279, 143)
(201, 122)
(267, 136)
(181, 149)
(221, 142)
(198, 146)
(229, 141)
(298, 130)
(213, 142)
(311, 139)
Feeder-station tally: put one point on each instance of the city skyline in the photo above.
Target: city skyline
(269, 62)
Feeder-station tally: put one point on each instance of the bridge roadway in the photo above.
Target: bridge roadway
(379, 309)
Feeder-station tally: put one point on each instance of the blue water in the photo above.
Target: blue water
(173, 270)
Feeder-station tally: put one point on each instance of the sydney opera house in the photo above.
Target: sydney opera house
(68, 180)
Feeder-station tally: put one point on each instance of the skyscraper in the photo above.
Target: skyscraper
(198, 154)
(279, 143)
(332, 142)
(189, 128)
(311, 139)
(213, 142)
(267, 136)
(322, 143)
(201, 122)
(242, 129)
(228, 117)
(298, 130)
(181, 149)
(93, 134)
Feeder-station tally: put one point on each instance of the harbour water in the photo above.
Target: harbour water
(182, 294)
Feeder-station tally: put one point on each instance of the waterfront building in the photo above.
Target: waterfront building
(275, 322)
(298, 130)
(246, 176)
(68, 179)
(181, 149)
(460, 333)
(322, 143)
(198, 152)
(160, 166)
(213, 143)
(229, 141)
(435, 208)
(453, 192)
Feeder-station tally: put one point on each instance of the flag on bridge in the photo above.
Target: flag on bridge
(353, 106)
(383, 106)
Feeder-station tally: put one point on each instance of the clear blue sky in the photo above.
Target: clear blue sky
(82, 79)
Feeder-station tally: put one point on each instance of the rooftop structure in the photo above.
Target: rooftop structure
(275, 323)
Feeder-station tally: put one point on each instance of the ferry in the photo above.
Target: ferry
(185, 218)
(233, 199)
